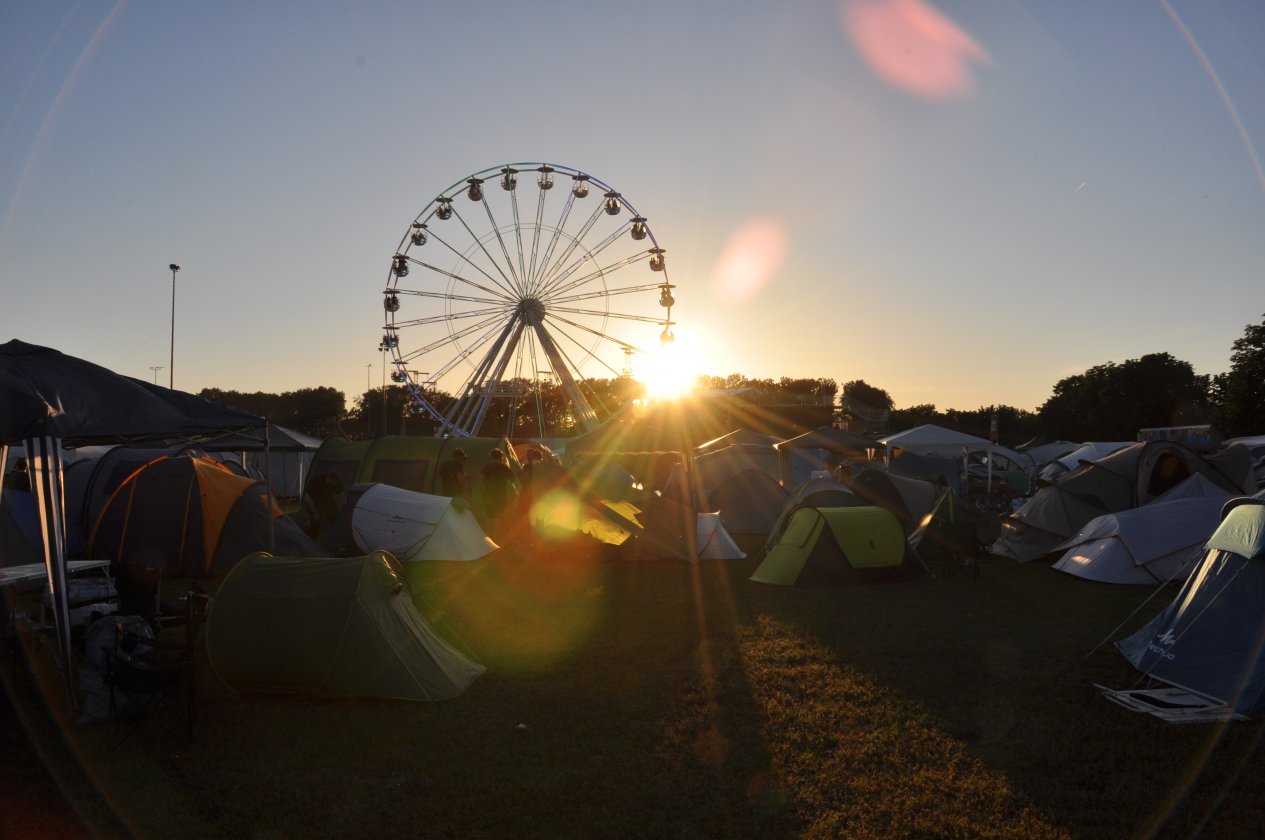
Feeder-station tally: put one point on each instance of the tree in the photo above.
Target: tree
(313, 411)
(1113, 401)
(863, 392)
(1238, 397)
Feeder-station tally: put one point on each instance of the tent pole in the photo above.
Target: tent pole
(44, 465)
(4, 472)
(272, 522)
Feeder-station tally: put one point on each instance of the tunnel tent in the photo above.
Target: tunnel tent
(822, 546)
(410, 526)
(329, 628)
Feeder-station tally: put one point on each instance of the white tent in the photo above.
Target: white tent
(930, 439)
(1091, 451)
(1151, 544)
(416, 526)
(714, 541)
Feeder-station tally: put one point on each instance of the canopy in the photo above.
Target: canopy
(45, 393)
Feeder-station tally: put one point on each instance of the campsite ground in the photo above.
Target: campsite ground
(664, 699)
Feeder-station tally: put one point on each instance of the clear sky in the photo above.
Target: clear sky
(959, 202)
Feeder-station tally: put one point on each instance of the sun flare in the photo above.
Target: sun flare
(671, 370)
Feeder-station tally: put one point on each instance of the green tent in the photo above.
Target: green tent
(329, 627)
(834, 545)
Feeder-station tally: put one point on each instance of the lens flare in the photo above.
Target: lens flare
(751, 258)
(912, 46)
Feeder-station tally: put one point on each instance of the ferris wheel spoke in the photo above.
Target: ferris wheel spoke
(588, 352)
(589, 255)
(452, 338)
(509, 262)
(602, 293)
(518, 235)
(454, 316)
(503, 294)
(562, 368)
(479, 242)
(538, 270)
(542, 282)
(508, 291)
(441, 296)
(601, 272)
(594, 332)
(535, 237)
(621, 316)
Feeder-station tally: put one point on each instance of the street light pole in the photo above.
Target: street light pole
(155, 369)
(171, 362)
(368, 389)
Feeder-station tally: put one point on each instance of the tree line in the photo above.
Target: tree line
(1110, 401)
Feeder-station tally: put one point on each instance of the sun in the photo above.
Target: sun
(672, 370)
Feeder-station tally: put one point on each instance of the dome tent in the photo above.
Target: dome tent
(834, 545)
(191, 517)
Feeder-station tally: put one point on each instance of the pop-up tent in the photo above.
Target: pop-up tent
(1123, 480)
(818, 492)
(410, 526)
(1209, 639)
(834, 545)
(192, 517)
(329, 627)
(1154, 543)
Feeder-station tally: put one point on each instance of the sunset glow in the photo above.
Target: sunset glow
(672, 370)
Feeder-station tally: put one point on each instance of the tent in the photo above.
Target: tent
(714, 542)
(946, 472)
(329, 627)
(930, 439)
(49, 400)
(410, 463)
(1155, 543)
(1209, 639)
(834, 545)
(191, 517)
(908, 499)
(719, 464)
(818, 492)
(749, 502)
(1050, 470)
(410, 526)
(818, 450)
(736, 437)
(1125, 479)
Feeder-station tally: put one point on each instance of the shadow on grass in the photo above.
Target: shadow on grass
(997, 670)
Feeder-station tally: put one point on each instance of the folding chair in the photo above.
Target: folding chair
(143, 672)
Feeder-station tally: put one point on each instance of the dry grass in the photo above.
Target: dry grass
(667, 700)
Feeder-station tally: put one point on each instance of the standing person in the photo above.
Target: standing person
(320, 503)
(527, 495)
(454, 481)
(498, 489)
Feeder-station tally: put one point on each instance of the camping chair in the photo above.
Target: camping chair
(960, 548)
(140, 593)
(142, 672)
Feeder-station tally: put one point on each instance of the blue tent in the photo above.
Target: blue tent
(1211, 638)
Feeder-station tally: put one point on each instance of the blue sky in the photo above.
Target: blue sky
(1069, 187)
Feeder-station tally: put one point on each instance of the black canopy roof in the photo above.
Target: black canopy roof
(44, 392)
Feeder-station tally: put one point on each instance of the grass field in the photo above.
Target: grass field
(668, 700)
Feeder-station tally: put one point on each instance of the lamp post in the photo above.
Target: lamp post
(171, 362)
(368, 389)
(155, 369)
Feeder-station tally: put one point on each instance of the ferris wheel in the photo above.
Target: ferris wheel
(519, 278)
